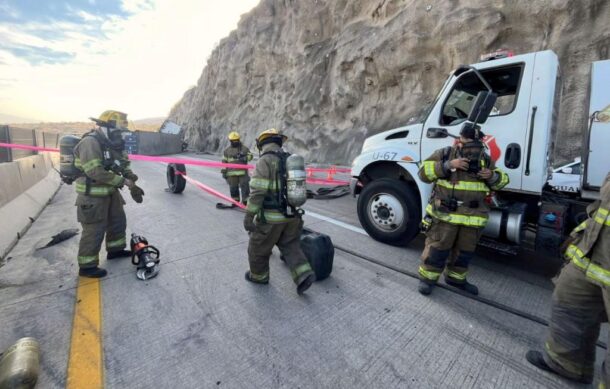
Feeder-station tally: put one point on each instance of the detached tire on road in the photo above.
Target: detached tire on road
(175, 182)
(389, 211)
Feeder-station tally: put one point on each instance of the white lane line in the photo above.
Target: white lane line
(336, 222)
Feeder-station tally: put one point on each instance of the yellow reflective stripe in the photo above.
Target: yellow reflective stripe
(262, 183)
(502, 182)
(231, 159)
(77, 162)
(236, 172)
(429, 170)
(601, 217)
(454, 218)
(94, 190)
(85, 259)
(429, 275)
(456, 275)
(116, 243)
(116, 180)
(259, 277)
(580, 227)
(253, 208)
(92, 164)
(274, 216)
(576, 369)
(300, 270)
(472, 186)
(592, 270)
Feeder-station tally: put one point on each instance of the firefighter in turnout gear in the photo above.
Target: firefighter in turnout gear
(105, 168)
(237, 178)
(267, 218)
(581, 300)
(463, 175)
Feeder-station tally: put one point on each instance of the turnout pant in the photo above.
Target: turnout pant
(100, 217)
(579, 307)
(287, 237)
(239, 182)
(448, 246)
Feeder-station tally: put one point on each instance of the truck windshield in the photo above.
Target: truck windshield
(503, 81)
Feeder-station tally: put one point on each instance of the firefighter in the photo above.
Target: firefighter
(101, 157)
(237, 178)
(462, 175)
(581, 300)
(267, 221)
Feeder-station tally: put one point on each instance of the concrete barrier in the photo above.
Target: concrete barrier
(156, 143)
(26, 186)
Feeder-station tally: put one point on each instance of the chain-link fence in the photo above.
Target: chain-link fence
(24, 137)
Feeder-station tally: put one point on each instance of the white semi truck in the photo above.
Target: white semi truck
(520, 134)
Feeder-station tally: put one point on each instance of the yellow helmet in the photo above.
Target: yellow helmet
(112, 119)
(234, 136)
(270, 133)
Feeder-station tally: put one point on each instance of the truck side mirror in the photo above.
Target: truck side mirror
(482, 107)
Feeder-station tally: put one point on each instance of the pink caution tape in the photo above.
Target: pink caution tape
(184, 161)
(320, 181)
(210, 190)
(27, 147)
(148, 158)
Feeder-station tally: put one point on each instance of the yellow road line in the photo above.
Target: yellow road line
(86, 366)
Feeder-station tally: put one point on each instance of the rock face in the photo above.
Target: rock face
(330, 73)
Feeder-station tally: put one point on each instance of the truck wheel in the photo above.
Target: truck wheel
(389, 212)
(175, 182)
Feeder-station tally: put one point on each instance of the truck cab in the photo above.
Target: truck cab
(518, 135)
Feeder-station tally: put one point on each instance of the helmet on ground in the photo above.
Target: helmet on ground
(234, 136)
(112, 120)
(270, 135)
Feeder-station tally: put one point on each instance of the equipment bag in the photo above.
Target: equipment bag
(320, 252)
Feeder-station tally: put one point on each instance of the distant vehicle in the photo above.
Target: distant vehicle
(392, 198)
(567, 177)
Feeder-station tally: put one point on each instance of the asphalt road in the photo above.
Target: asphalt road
(199, 324)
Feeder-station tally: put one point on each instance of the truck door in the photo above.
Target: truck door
(506, 128)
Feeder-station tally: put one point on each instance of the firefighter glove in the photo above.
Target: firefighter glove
(249, 222)
(131, 176)
(137, 194)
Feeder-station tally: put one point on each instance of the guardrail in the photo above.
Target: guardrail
(24, 137)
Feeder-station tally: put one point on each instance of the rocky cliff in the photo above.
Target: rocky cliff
(332, 72)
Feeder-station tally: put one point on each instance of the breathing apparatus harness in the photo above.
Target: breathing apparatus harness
(114, 142)
(280, 200)
(145, 257)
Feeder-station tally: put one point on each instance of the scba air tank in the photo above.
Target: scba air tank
(68, 171)
(296, 191)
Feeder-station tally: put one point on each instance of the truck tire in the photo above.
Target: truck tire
(389, 211)
(175, 182)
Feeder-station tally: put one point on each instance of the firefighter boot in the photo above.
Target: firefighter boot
(118, 254)
(535, 358)
(306, 283)
(465, 286)
(92, 272)
(425, 288)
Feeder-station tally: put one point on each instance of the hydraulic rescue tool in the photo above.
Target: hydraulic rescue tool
(145, 257)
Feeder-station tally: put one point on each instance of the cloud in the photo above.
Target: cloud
(139, 57)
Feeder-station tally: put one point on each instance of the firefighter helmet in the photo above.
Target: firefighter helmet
(270, 135)
(234, 136)
(112, 119)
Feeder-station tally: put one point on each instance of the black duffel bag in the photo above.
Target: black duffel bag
(319, 250)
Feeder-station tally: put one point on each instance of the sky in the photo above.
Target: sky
(69, 60)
